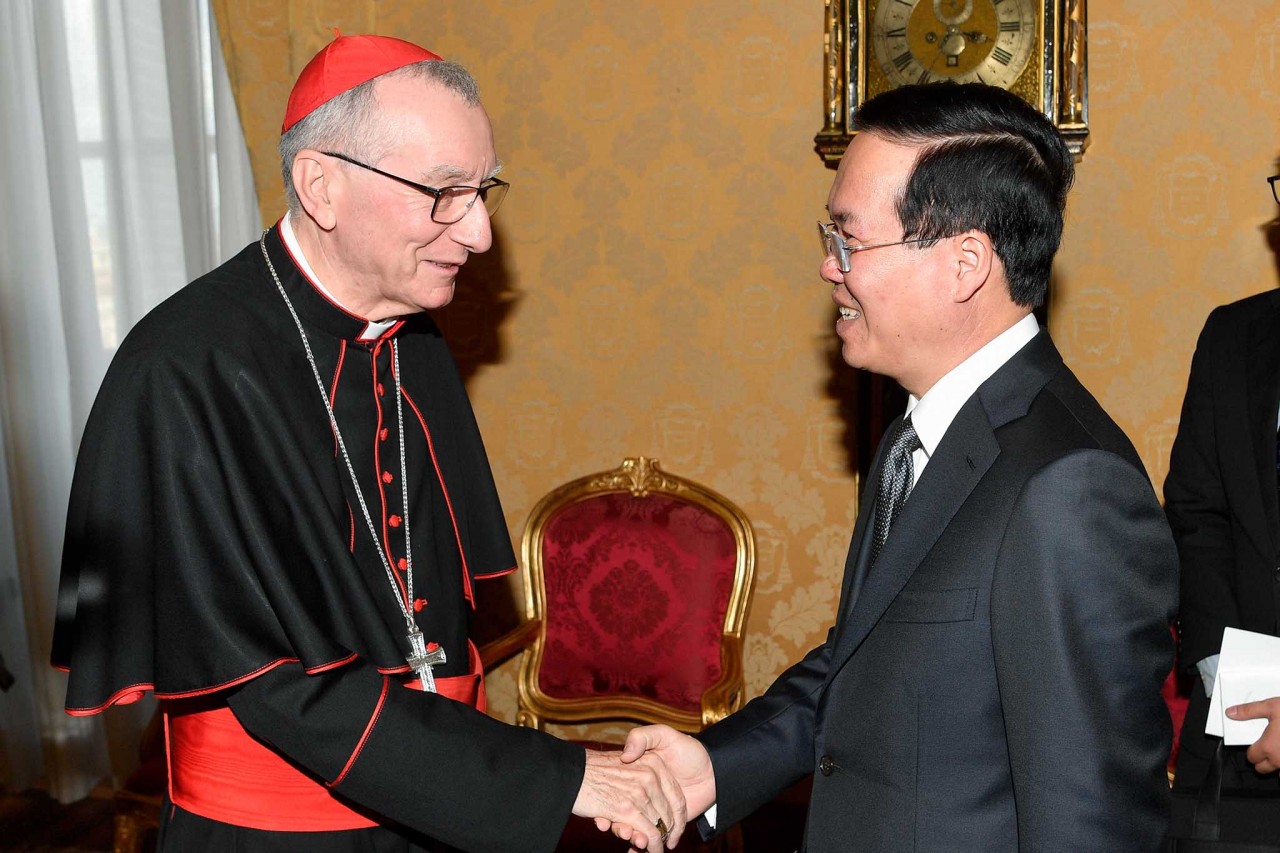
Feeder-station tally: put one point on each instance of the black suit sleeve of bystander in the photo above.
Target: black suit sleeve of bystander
(1198, 511)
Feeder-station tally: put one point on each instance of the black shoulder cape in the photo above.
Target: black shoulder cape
(213, 529)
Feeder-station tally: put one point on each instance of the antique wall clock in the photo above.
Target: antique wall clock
(1033, 48)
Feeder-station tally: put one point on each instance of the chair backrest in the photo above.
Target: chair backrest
(641, 581)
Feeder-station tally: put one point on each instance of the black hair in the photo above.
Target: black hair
(989, 162)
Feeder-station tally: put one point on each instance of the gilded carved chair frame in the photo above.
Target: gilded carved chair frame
(641, 477)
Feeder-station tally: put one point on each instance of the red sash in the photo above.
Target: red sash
(217, 770)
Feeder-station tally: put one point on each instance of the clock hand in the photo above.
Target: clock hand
(953, 43)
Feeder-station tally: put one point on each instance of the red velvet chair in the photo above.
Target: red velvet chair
(636, 592)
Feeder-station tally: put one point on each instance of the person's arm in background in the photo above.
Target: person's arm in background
(1265, 752)
(1196, 506)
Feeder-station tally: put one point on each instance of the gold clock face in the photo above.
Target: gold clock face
(925, 41)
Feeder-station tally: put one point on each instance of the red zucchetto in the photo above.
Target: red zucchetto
(343, 64)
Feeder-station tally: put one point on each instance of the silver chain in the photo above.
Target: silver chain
(333, 422)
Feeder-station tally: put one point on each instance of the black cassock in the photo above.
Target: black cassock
(216, 551)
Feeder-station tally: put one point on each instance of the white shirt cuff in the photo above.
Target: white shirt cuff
(1208, 669)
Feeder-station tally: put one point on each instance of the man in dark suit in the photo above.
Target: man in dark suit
(1222, 504)
(993, 678)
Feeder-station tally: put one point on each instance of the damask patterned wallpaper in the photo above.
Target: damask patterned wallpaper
(653, 287)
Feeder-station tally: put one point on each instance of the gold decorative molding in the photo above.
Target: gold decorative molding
(638, 475)
(1074, 71)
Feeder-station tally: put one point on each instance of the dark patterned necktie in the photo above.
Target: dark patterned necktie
(895, 483)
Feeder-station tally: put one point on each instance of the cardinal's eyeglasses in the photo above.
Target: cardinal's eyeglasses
(450, 203)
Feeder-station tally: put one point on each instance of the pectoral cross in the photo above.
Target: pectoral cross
(424, 656)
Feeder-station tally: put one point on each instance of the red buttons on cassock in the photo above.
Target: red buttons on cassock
(386, 477)
(381, 391)
(402, 564)
(418, 604)
(394, 521)
(383, 433)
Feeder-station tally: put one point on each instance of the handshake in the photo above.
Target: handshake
(646, 793)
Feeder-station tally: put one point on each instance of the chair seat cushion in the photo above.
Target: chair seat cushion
(637, 590)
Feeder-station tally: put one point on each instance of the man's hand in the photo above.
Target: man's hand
(1265, 754)
(632, 798)
(686, 758)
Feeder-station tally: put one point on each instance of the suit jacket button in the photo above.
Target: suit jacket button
(826, 765)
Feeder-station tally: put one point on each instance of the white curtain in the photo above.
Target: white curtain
(123, 175)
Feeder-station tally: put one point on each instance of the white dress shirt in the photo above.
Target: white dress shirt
(932, 414)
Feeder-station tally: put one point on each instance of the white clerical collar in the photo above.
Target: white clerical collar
(373, 329)
(932, 414)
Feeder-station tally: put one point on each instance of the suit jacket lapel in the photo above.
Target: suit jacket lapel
(855, 564)
(959, 462)
(1264, 399)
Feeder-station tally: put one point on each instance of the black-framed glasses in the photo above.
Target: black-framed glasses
(450, 203)
(835, 246)
(1275, 191)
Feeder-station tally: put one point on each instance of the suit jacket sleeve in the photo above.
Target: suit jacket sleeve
(767, 746)
(422, 760)
(1083, 594)
(1196, 504)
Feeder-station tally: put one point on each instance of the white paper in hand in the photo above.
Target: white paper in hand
(1248, 671)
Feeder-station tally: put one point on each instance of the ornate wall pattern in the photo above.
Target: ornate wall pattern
(653, 287)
